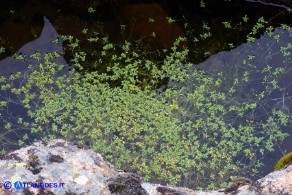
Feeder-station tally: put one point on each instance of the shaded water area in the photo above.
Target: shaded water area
(23, 29)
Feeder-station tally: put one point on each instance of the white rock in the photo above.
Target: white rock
(82, 180)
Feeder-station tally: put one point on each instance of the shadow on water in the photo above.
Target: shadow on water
(48, 42)
(253, 58)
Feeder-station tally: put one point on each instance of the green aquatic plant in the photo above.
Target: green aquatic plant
(285, 160)
(199, 137)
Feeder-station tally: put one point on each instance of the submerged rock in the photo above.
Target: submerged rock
(60, 167)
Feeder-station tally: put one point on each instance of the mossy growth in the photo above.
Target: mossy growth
(285, 160)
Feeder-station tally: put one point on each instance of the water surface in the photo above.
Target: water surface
(253, 58)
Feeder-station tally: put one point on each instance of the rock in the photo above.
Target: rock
(126, 183)
(278, 182)
(81, 170)
(60, 167)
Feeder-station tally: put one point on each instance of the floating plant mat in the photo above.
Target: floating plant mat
(251, 60)
(258, 73)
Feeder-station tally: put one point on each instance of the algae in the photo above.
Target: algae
(285, 160)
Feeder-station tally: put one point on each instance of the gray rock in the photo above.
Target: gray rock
(60, 167)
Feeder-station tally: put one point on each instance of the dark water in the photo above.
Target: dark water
(25, 18)
(21, 29)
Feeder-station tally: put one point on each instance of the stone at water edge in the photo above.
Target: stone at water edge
(84, 171)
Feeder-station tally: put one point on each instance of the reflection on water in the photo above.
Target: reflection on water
(253, 57)
(49, 41)
(270, 3)
(43, 45)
